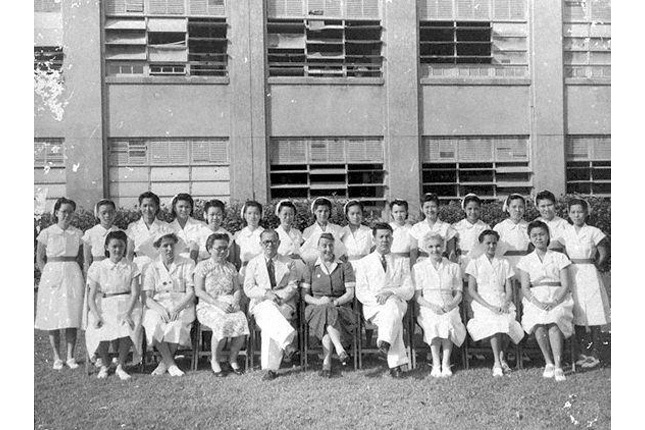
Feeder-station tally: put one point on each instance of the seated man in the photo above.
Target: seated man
(383, 286)
(270, 282)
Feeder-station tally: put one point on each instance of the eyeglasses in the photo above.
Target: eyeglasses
(269, 242)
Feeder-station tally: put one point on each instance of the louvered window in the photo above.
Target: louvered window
(166, 38)
(490, 166)
(473, 38)
(589, 164)
(49, 168)
(345, 167)
(47, 5)
(587, 39)
(168, 166)
(48, 58)
(324, 38)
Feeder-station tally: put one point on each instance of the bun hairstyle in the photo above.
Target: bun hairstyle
(182, 197)
(539, 224)
(470, 197)
(544, 195)
(153, 196)
(104, 202)
(582, 202)
(286, 203)
(115, 235)
(351, 203)
(60, 202)
(214, 204)
(162, 236)
(216, 236)
(510, 198)
(430, 197)
(320, 201)
(399, 202)
(485, 233)
(250, 204)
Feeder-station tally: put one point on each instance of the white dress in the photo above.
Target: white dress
(402, 241)
(309, 249)
(420, 229)
(169, 287)
(514, 238)
(590, 300)
(468, 239)
(95, 239)
(249, 246)
(143, 238)
(357, 244)
(556, 227)
(547, 270)
(61, 288)
(491, 276)
(290, 246)
(437, 286)
(190, 234)
(112, 299)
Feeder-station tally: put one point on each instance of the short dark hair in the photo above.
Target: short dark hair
(580, 202)
(544, 195)
(185, 197)
(286, 204)
(115, 235)
(150, 195)
(216, 236)
(214, 204)
(539, 224)
(251, 204)
(170, 235)
(326, 236)
(488, 232)
(430, 197)
(60, 202)
(103, 202)
(269, 231)
(399, 202)
(322, 201)
(351, 203)
(472, 198)
(381, 226)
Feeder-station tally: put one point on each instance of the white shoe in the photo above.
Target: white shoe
(505, 367)
(549, 371)
(497, 371)
(58, 364)
(122, 374)
(559, 374)
(175, 371)
(72, 364)
(103, 372)
(436, 372)
(160, 369)
(98, 363)
(446, 372)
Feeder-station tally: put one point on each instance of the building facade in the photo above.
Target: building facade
(368, 99)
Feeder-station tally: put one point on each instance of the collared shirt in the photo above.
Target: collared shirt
(437, 284)
(402, 238)
(309, 249)
(249, 243)
(583, 243)
(143, 237)
(359, 243)
(189, 233)
(113, 278)
(420, 229)
(331, 281)
(95, 239)
(257, 283)
(556, 227)
(514, 235)
(59, 242)
(289, 242)
(491, 276)
(371, 279)
(174, 279)
(468, 233)
(203, 235)
(546, 270)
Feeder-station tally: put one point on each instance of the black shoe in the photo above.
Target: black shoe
(269, 376)
(325, 373)
(344, 358)
(238, 371)
(290, 353)
(397, 373)
(383, 348)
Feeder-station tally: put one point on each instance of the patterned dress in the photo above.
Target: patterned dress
(61, 288)
(220, 282)
(112, 300)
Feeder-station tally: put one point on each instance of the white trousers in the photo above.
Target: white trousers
(277, 333)
(389, 320)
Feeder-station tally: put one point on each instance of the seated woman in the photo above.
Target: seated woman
(169, 302)
(219, 292)
(328, 289)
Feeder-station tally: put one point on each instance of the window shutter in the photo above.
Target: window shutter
(207, 7)
(577, 149)
(115, 7)
(166, 7)
(438, 150)
(475, 150)
(210, 151)
(168, 152)
(364, 151)
(327, 8)
(575, 11)
(509, 9)
(49, 152)
(362, 9)
(198, 7)
(285, 8)
(600, 11)
(134, 6)
(511, 149)
(438, 9)
(473, 9)
(602, 148)
(287, 151)
(327, 151)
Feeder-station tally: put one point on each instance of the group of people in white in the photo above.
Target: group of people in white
(147, 279)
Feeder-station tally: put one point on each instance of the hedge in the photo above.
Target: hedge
(491, 213)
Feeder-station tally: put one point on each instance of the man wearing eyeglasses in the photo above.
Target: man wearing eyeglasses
(270, 282)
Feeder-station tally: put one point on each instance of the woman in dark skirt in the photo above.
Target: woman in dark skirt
(328, 289)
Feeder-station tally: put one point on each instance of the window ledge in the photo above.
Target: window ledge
(477, 81)
(298, 80)
(168, 80)
(585, 81)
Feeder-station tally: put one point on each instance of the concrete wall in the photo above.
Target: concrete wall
(588, 109)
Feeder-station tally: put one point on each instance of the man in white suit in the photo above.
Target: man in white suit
(270, 282)
(384, 286)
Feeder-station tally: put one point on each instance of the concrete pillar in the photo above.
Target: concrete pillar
(402, 133)
(547, 95)
(82, 116)
(248, 101)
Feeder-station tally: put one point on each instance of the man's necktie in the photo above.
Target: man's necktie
(271, 270)
(384, 262)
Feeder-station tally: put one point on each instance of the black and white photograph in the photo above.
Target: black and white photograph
(324, 214)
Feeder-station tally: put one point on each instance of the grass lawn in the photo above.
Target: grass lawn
(367, 399)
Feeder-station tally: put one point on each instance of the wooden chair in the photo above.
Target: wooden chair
(201, 346)
(367, 326)
(306, 349)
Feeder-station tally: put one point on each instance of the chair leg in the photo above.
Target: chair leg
(360, 343)
(572, 351)
(305, 345)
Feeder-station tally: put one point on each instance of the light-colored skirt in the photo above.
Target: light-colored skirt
(590, 300)
(177, 331)
(486, 323)
(111, 310)
(562, 315)
(445, 326)
(60, 296)
(221, 323)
